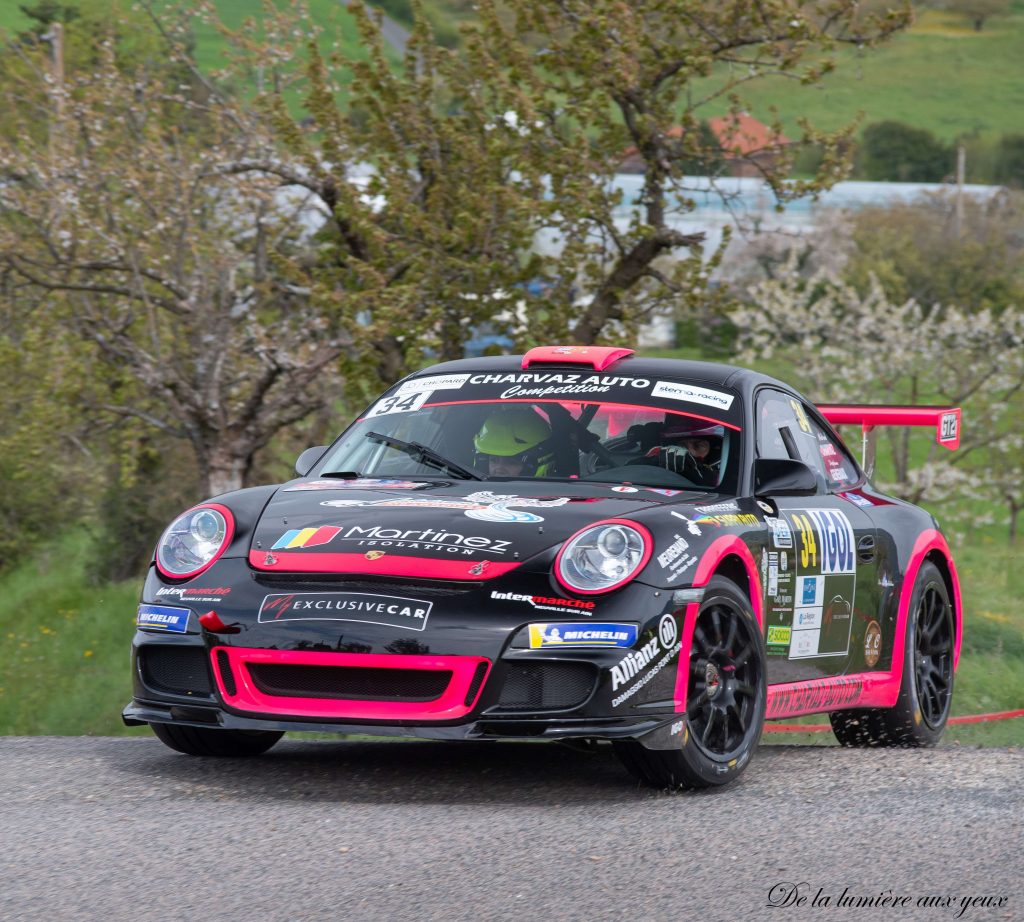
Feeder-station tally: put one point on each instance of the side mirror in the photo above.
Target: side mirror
(783, 477)
(308, 458)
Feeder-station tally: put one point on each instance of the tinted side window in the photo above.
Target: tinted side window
(784, 431)
(837, 466)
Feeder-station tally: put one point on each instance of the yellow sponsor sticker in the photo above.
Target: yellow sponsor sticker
(779, 635)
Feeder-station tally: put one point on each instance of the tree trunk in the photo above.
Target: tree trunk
(1014, 512)
(225, 469)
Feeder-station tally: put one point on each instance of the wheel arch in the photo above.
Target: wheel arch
(930, 546)
(729, 556)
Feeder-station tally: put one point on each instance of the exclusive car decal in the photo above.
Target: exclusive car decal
(872, 643)
(393, 611)
(162, 618)
(563, 635)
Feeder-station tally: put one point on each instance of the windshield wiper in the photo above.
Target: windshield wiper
(425, 455)
(343, 475)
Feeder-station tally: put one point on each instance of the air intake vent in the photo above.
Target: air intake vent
(175, 669)
(546, 686)
(226, 675)
(349, 682)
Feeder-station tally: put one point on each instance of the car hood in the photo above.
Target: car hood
(463, 530)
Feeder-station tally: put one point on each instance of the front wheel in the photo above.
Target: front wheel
(926, 686)
(201, 741)
(725, 699)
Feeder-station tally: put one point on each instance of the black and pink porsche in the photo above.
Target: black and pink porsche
(575, 544)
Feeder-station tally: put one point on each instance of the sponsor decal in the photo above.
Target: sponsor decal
(673, 390)
(545, 384)
(582, 635)
(549, 603)
(807, 619)
(162, 618)
(359, 483)
(374, 555)
(676, 728)
(765, 507)
(662, 491)
(826, 541)
(625, 490)
(478, 568)
(728, 521)
(399, 403)
(782, 536)
(692, 527)
(484, 506)
(948, 427)
(675, 559)
(719, 507)
(801, 416)
(433, 383)
(393, 611)
(423, 539)
(813, 696)
(269, 560)
(809, 590)
(858, 500)
(305, 537)
(872, 643)
(635, 662)
(194, 593)
(779, 635)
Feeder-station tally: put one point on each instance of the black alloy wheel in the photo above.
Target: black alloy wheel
(926, 684)
(933, 642)
(723, 686)
(726, 698)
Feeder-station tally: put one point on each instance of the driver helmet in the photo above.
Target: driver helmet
(516, 433)
(691, 432)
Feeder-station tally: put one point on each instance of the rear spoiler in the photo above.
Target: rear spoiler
(946, 421)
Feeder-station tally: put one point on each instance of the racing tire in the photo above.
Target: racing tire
(919, 716)
(725, 699)
(200, 741)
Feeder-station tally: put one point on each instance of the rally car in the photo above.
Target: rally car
(573, 544)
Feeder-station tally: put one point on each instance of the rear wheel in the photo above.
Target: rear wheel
(200, 741)
(926, 687)
(725, 699)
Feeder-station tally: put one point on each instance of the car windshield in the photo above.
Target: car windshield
(512, 438)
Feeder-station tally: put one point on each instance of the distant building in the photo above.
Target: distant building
(746, 145)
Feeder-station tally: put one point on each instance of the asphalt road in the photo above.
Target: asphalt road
(111, 829)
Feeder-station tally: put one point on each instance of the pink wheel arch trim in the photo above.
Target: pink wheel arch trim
(450, 705)
(719, 549)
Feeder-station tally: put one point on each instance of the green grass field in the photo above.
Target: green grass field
(941, 75)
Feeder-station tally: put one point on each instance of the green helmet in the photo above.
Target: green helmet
(510, 432)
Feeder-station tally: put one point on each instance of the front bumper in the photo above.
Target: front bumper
(467, 674)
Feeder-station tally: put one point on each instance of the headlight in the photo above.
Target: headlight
(193, 541)
(602, 557)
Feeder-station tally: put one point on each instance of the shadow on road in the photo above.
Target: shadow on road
(542, 774)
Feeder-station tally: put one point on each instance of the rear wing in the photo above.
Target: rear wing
(945, 420)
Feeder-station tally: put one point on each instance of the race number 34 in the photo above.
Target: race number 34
(400, 403)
